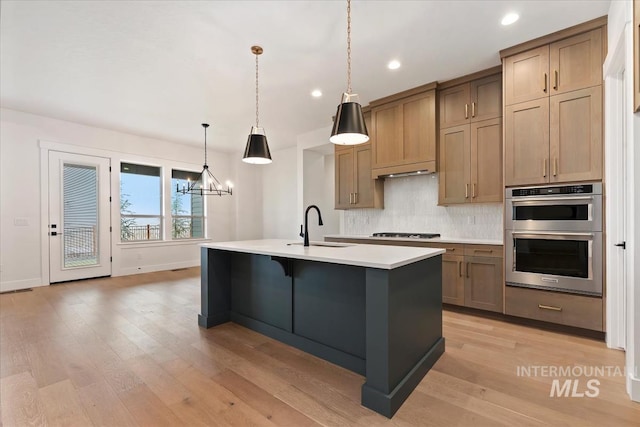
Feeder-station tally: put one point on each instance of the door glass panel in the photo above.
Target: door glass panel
(552, 213)
(556, 257)
(80, 215)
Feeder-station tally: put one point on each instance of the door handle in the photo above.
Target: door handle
(555, 80)
(473, 191)
(473, 109)
(460, 268)
(544, 87)
(622, 245)
(350, 198)
(544, 168)
(555, 166)
(355, 198)
(549, 307)
(55, 233)
(466, 111)
(466, 191)
(467, 270)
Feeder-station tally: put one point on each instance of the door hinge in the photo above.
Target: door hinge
(109, 168)
(109, 199)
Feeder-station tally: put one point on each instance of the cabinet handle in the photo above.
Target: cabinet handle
(355, 198)
(466, 111)
(555, 79)
(460, 268)
(555, 166)
(473, 109)
(473, 191)
(350, 198)
(466, 191)
(483, 250)
(549, 307)
(450, 249)
(467, 270)
(544, 168)
(544, 87)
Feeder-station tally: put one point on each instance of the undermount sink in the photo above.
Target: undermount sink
(325, 244)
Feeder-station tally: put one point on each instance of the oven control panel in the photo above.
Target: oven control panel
(555, 190)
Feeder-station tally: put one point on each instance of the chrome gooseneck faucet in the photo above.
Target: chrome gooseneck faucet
(305, 233)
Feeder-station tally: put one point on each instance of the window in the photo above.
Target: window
(187, 210)
(140, 202)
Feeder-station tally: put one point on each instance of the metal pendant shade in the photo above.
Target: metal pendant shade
(349, 127)
(257, 150)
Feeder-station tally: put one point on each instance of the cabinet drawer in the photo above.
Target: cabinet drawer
(564, 309)
(494, 251)
(452, 248)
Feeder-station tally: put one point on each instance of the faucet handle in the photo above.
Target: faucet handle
(301, 230)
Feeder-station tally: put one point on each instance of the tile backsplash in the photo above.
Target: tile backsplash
(411, 205)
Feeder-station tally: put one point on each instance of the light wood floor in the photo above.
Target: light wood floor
(127, 351)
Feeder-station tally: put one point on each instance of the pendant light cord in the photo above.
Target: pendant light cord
(349, 46)
(205, 146)
(257, 97)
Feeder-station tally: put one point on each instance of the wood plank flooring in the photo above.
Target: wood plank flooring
(127, 351)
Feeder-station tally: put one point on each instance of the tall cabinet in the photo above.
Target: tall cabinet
(553, 107)
(470, 142)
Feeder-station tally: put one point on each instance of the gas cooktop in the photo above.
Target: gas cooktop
(407, 235)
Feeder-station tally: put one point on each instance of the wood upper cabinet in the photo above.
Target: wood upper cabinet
(576, 62)
(576, 136)
(484, 283)
(405, 135)
(466, 103)
(486, 161)
(354, 187)
(452, 279)
(526, 76)
(526, 154)
(454, 180)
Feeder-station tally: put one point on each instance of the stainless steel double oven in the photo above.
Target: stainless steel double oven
(553, 238)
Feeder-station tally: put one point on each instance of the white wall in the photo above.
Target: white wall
(411, 205)
(280, 202)
(620, 31)
(247, 198)
(24, 249)
(318, 189)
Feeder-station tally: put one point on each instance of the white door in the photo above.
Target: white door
(79, 217)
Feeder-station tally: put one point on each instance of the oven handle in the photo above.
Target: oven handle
(552, 200)
(552, 236)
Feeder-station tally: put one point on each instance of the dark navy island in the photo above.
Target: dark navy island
(375, 310)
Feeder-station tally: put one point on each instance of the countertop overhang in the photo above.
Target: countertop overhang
(371, 256)
(459, 240)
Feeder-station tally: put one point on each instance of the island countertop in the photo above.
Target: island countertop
(372, 256)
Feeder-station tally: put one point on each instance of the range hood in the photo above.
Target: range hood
(399, 175)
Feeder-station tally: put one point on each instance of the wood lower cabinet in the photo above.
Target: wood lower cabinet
(483, 283)
(555, 307)
(452, 279)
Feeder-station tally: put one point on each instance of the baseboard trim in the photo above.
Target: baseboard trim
(155, 267)
(633, 387)
(16, 285)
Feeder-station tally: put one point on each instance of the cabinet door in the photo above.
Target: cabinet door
(387, 125)
(576, 135)
(486, 98)
(452, 280)
(483, 287)
(343, 177)
(576, 62)
(526, 75)
(454, 106)
(454, 165)
(363, 184)
(486, 161)
(526, 154)
(419, 128)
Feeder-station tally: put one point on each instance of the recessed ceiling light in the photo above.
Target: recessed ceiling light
(510, 18)
(393, 65)
(316, 93)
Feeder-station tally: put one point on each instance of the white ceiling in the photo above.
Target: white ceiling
(160, 68)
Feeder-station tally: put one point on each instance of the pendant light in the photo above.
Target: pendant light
(257, 150)
(349, 127)
(206, 184)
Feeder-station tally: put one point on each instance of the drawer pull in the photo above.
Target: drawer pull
(549, 307)
(483, 250)
(460, 268)
(467, 270)
(451, 249)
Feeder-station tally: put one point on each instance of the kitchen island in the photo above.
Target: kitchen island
(375, 310)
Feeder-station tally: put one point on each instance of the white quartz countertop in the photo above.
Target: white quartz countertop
(441, 239)
(373, 256)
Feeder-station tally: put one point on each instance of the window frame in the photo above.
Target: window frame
(203, 217)
(160, 217)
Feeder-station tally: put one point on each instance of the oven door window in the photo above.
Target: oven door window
(555, 257)
(559, 212)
